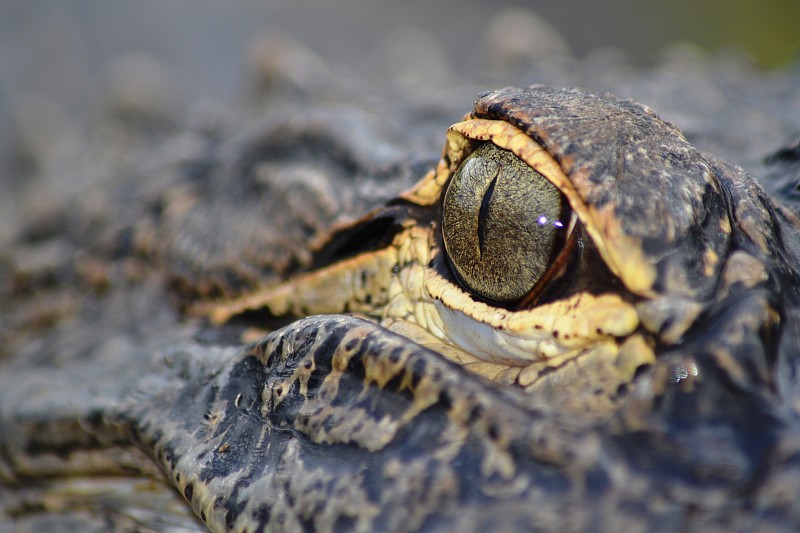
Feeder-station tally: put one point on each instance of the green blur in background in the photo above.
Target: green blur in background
(769, 30)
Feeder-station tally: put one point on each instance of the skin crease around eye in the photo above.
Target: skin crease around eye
(501, 224)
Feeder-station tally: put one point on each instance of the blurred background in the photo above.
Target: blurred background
(61, 59)
(63, 48)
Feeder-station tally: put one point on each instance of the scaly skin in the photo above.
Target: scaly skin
(683, 417)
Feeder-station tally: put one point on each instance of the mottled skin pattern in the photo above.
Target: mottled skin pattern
(335, 424)
(464, 451)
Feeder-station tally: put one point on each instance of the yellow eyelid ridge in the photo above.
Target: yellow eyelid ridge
(622, 253)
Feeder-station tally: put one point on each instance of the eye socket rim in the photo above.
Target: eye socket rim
(557, 265)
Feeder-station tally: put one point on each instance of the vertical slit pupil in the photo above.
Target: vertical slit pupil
(483, 213)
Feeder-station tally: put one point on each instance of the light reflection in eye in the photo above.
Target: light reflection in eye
(542, 220)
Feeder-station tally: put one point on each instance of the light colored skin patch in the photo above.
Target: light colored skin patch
(670, 316)
(353, 285)
(743, 268)
(542, 332)
(592, 381)
(710, 260)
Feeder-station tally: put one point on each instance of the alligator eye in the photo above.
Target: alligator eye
(503, 223)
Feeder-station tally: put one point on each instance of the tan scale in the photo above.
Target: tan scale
(582, 336)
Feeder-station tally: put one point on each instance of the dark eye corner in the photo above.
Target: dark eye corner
(370, 233)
